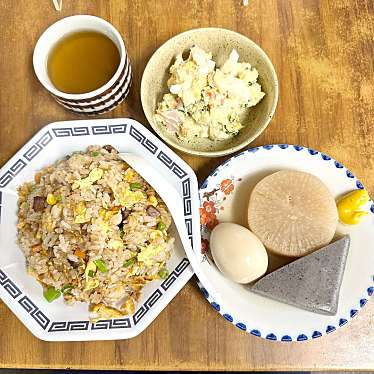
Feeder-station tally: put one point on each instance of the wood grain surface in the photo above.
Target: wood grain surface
(323, 54)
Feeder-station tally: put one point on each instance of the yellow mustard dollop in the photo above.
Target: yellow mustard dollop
(349, 207)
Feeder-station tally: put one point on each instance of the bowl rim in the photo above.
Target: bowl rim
(228, 150)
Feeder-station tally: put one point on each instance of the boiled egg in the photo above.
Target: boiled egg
(238, 253)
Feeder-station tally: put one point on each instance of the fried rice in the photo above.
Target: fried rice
(92, 230)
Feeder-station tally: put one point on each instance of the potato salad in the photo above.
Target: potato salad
(206, 101)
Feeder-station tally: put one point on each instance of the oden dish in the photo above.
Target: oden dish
(220, 43)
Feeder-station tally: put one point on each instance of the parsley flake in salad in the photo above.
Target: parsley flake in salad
(205, 101)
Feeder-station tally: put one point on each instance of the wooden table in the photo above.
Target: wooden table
(322, 52)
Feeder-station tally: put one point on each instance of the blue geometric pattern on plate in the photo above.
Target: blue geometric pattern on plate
(142, 311)
(342, 322)
(169, 163)
(38, 146)
(34, 311)
(271, 337)
(121, 323)
(143, 140)
(330, 329)
(216, 306)
(61, 132)
(109, 129)
(241, 326)
(9, 286)
(286, 338)
(325, 157)
(166, 284)
(316, 334)
(256, 332)
(13, 171)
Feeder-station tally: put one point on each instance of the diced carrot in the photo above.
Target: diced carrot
(37, 177)
(36, 248)
(80, 254)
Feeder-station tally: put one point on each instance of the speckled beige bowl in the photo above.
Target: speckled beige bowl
(220, 42)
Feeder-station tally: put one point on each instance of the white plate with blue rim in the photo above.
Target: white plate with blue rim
(24, 295)
(224, 198)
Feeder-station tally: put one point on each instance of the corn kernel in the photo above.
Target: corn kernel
(129, 175)
(152, 200)
(51, 200)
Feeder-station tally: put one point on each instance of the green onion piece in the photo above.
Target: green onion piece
(135, 186)
(91, 273)
(51, 294)
(67, 288)
(121, 232)
(161, 226)
(129, 262)
(95, 154)
(101, 266)
(59, 198)
(163, 273)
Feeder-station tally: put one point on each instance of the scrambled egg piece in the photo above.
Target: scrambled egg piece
(125, 197)
(148, 253)
(102, 224)
(80, 213)
(128, 306)
(104, 218)
(105, 312)
(94, 175)
(155, 234)
(115, 244)
(107, 214)
(153, 200)
(91, 282)
(129, 175)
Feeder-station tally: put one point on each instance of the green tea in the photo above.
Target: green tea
(82, 62)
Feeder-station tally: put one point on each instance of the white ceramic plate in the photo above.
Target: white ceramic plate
(224, 198)
(23, 294)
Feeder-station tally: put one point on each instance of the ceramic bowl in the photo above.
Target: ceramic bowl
(23, 294)
(220, 42)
